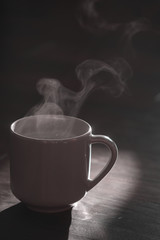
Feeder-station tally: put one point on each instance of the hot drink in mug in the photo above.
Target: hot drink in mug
(50, 160)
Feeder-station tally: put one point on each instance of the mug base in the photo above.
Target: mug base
(50, 209)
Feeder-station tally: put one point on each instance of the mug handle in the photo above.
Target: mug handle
(114, 153)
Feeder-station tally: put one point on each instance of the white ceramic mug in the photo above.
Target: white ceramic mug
(50, 170)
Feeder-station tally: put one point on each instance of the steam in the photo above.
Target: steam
(134, 27)
(51, 90)
(90, 19)
(93, 74)
(47, 120)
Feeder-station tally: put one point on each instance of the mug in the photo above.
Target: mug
(50, 159)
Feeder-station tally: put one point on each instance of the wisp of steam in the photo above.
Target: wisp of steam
(59, 100)
(111, 77)
(93, 74)
(91, 19)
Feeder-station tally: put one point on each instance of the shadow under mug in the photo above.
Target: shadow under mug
(50, 158)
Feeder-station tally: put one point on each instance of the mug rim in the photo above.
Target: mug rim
(12, 128)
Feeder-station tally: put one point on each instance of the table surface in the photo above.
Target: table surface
(125, 205)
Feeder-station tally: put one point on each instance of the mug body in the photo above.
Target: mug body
(49, 174)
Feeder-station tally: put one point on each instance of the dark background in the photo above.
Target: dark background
(50, 38)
